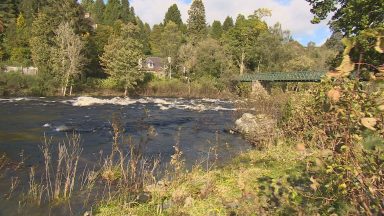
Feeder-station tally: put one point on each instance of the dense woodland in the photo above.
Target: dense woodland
(102, 51)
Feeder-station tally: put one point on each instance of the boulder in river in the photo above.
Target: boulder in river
(256, 128)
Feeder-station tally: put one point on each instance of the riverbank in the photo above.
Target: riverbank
(18, 85)
(326, 160)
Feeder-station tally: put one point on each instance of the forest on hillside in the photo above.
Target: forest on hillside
(97, 45)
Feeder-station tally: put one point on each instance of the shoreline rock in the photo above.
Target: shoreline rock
(256, 128)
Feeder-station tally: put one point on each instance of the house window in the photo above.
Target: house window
(150, 65)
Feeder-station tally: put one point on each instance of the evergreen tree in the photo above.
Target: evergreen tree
(126, 12)
(112, 12)
(97, 12)
(17, 42)
(228, 23)
(29, 9)
(8, 11)
(216, 30)
(145, 32)
(197, 27)
(154, 39)
(87, 5)
(173, 14)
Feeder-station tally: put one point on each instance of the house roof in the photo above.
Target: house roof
(158, 63)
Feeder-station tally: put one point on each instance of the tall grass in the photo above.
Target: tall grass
(58, 180)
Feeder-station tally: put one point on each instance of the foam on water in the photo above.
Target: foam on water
(89, 101)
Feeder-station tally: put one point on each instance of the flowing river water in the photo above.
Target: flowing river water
(200, 125)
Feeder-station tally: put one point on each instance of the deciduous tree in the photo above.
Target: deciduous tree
(121, 57)
(349, 17)
(67, 55)
(243, 37)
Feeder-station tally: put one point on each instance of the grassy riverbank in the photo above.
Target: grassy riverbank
(245, 186)
(16, 85)
(322, 161)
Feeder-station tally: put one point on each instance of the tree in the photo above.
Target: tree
(8, 11)
(126, 12)
(112, 11)
(349, 17)
(47, 21)
(16, 42)
(197, 27)
(1, 26)
(29, 9)
(228, 23)
(154, 39)
(121, 57)
(173, 15)
(98, 11)
(171, 39)
(211, 59)
(145, 32)
(67, 55)
(216, 30)
(87, 5)
(243, 37)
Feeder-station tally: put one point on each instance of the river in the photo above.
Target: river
(199, 124)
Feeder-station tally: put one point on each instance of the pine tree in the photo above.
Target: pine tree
(112, 12)
(8, 11)
(16, 42)
(197, 27)
(173, 14)
(29, 9)
(126, 12)
(97, 12)
(87, 5)
(228, 23)
(216, 30)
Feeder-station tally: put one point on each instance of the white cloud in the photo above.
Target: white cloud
(294, 15)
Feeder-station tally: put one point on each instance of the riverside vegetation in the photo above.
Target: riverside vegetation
(75, 57)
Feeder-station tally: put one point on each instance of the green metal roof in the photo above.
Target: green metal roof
(302, 76)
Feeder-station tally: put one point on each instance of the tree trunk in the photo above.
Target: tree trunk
(70, 90)
(359, 66)
(126, 91)
(66, 85)
(242, 63)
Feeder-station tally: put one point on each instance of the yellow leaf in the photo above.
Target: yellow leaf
(369, 123)
(315, 185)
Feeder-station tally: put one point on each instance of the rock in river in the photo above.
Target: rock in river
(256, 128)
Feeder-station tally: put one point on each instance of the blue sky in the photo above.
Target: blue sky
(294, 15)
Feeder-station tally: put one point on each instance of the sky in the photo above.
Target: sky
(294, 15)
